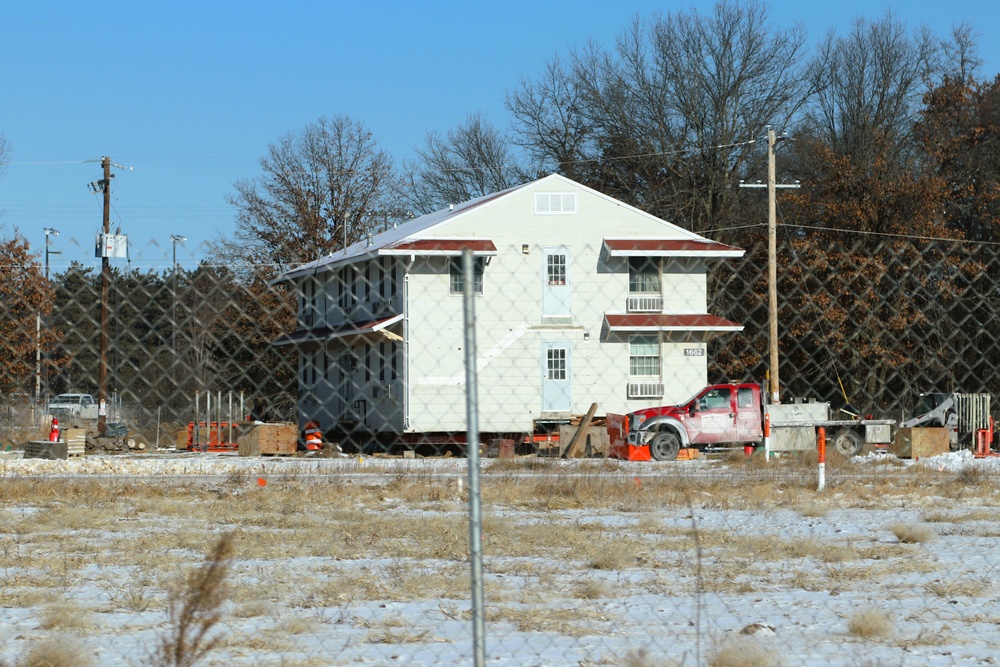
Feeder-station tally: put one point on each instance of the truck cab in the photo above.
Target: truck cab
(718, 414)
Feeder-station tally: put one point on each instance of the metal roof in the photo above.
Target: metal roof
(414, 237)
(388, 242)
(447, 247)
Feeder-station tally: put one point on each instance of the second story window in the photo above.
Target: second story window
(643, 275)
(457, 281)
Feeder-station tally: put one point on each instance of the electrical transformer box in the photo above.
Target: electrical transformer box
(112, 246)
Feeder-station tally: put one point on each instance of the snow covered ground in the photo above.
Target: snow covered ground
(823, 578)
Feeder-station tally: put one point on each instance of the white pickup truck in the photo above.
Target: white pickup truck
(73, 409)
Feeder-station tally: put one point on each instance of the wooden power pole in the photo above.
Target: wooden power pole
(772, 270)
(102, 374)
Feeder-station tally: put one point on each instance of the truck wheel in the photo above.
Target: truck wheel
(664, 447)
(847, 442)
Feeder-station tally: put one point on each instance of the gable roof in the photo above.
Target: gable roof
(415, 236)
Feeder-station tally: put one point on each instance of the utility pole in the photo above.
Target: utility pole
(102, 374)
(49, 232)
(772, 270)
(175, 238)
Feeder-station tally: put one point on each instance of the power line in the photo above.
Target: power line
(838, 230)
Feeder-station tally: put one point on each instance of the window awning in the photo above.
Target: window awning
(711, 325)
(323, 334)
(441, 247)
(638, 247)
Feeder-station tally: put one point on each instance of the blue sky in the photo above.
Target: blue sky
(190, 94)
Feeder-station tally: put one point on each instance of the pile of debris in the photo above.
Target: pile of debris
(116, 440)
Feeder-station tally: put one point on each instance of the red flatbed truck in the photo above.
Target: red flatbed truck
(717, 415)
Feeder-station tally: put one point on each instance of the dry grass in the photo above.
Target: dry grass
(913, 533)
(592, 589)
(962, 586)
(964, 516)
(64, 615)
(557, 547)
(930, 637)
(396, 636)
(973, 476)
(253, 609)
(640, 658)
(196, 610)
(812, 510)
(56, 651)
(742, 651)
(870, 623)
(575, 621)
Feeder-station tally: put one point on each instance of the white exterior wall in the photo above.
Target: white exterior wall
(684, 286)
(428, 394)
(511, 329)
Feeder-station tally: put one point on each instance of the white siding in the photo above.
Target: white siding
(510, 327)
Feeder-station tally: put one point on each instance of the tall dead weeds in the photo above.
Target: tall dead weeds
(195, 610)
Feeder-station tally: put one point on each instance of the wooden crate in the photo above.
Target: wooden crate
(270, 440)
(596, 436)
(919, 443)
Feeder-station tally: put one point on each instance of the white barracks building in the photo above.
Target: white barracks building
(580, 299)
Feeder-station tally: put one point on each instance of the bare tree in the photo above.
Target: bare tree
(666, 120)
(472, 160)
(868, 89)
(961, 56)
(554, 129)
(324, 187)
(4, 152)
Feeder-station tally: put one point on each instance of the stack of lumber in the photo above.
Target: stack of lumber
(76, 441)
(43, 449)
(270, 440)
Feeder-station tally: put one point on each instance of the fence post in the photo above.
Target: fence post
(821, 451)
(196, 429)
(767, 437)
(472, 456)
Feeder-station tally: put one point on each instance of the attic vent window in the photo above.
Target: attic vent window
(553, 203)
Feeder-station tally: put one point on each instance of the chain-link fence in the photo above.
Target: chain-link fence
(870, 321)
(362, 559)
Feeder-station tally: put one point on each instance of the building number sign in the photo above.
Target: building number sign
(694, 352)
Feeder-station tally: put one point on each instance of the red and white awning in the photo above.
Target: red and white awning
(639, 247)
(710, 325)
